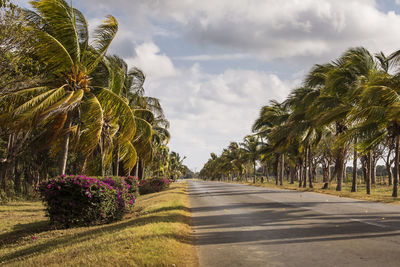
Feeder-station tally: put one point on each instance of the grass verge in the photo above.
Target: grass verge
(158, 234)
(379, 193)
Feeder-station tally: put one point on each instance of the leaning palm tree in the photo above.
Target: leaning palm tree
(250, 146)
(176, 166)
(368, 98)
(129, 86)
(301, 126)
(377, 118)
(71, 102)
(271, 118)
(338, 95)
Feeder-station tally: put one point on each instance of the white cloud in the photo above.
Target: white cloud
(209, 110)
(149, 59)
(213, 57)
(264, 28)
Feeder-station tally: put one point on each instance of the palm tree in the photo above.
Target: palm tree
(366, 116)
(303, 131)
(250, 146)
(337, 83)
(237, 158)
(176, 166)
(272, 117)
(71, 103)
(377, 116)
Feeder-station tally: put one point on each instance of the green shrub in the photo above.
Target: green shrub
(80, 200)
(153, 185)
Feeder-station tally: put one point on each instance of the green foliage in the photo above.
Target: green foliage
(67, 106)
(80, 200)
(352, 102)
(153, 185)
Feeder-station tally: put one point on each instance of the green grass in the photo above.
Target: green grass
(379, 193)
(157, 234)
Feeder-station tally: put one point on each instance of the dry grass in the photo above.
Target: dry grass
(379, 193)
(159, 234)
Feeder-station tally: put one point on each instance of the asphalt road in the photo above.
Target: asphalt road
(238, 225)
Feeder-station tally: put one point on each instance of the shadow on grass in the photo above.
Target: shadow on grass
(165, 192)
(92, 234)
(25, 210)
(21, 204)
(180, 207)
(21, 231)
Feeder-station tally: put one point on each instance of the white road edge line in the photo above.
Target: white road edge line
(370, 223)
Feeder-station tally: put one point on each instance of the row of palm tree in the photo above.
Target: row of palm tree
(238, 160)
(87, 113)
(346, 109)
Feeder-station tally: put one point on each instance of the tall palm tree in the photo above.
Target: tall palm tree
(176, 166)
(366, 126)
(377, 117)
(337, 82)
(70, 102)
(271, 118)
(250, 146)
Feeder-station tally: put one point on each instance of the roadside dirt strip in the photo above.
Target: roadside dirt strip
(238, 225)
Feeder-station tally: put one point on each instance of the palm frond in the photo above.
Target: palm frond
(128, 156)
(40, 102)
(52, 131)
(117, 108)
(82, 30)
(64, 105)
(104, 35)
(52, 52)
(91, 124)
(144, 114)
(62, 22)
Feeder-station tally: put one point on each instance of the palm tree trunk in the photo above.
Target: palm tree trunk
(262, 173)
(254, 169)
(64, 155)
(276, 169)
(310, 176)
(17, 178)
(339, 169)
(142, 170)
(301, 173)
(116, 160)
(354, 181)
(292, 174)
(373, 170)
(103, 158)
(364, 163)
(305, 168)
(282, 169)
(396, 167)
(369, 171)
(6, 164)
(137, 168)
(389, 168)
(325, 177)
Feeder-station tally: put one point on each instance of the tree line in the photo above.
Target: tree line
(67, 106)
(346, 111)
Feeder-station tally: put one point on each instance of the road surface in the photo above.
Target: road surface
(238, 225)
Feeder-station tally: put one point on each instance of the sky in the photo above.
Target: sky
(214, 63)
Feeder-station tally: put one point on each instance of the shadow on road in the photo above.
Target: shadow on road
(272, 223)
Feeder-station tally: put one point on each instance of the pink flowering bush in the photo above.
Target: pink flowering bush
(153, 185)
(81, 200)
